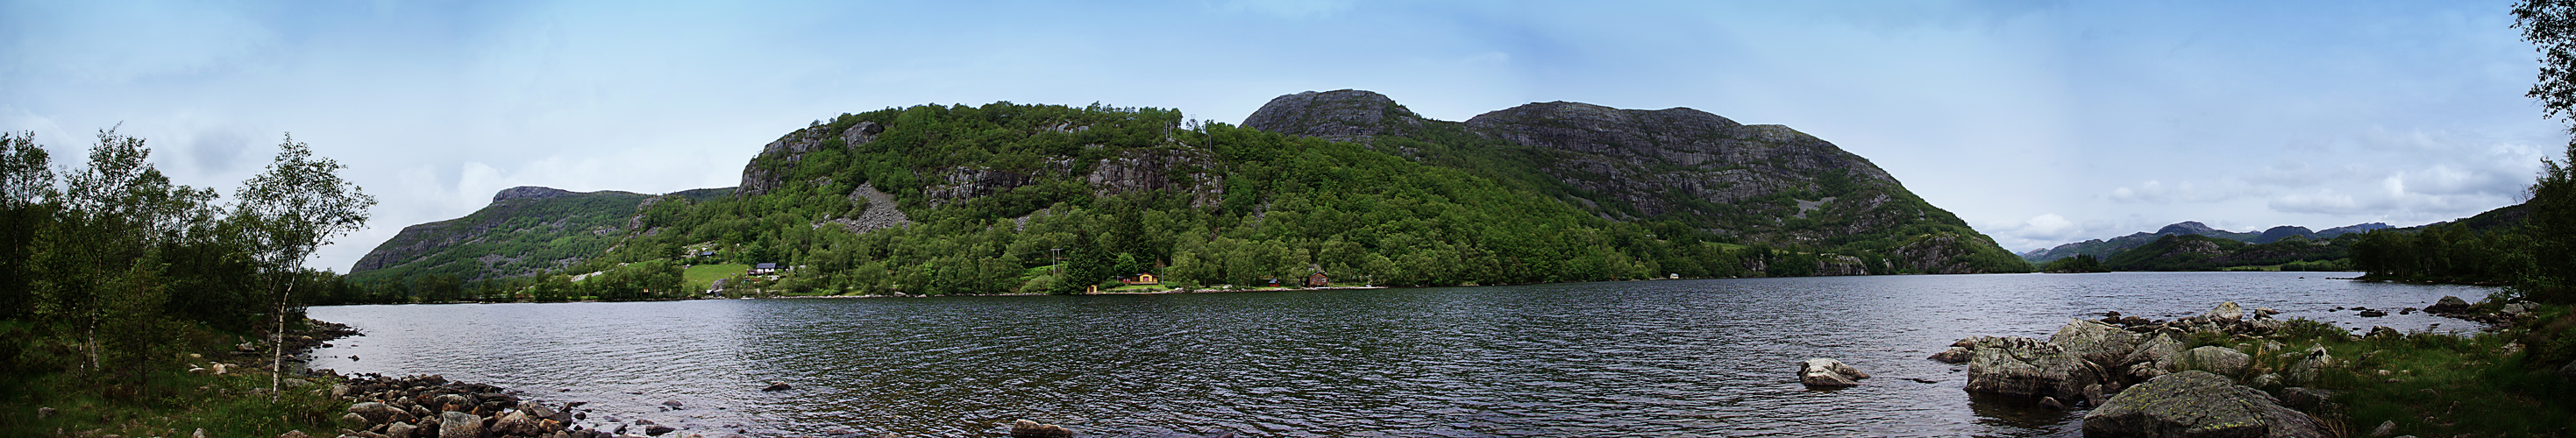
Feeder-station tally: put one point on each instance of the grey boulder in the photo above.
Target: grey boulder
(452, 424)
(2197, 404)
(2214, 359)
(1829, 373)
(2104, 344)
(2024, 366)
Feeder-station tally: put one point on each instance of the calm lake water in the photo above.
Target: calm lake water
(1654, 358)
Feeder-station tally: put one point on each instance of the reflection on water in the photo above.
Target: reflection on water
(1661, 358)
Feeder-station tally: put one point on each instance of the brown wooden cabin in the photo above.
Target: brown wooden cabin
(1318, 280)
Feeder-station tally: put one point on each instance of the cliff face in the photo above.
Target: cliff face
(1766, 184)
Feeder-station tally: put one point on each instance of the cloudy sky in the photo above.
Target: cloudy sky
(2039, 122)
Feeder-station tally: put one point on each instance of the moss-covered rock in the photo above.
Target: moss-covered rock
(2197, 404)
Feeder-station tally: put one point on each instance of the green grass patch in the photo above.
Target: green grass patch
(700, 276)
(2441, 384)
(225, 406)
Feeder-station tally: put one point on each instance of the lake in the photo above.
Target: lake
(1645, 358)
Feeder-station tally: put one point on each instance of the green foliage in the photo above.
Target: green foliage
(2078, 263)
(2452, 253)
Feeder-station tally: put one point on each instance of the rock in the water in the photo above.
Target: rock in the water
(2051, 403)
(2373, 314)
(2197, 404)
(2214, 359)
(778, 386)
(1953, 355)
(2227, 311)
(657, 430)
(1829, 373)
(1031, 429)
(2448, 304)
(2024, 366)
(2103, 344)
(536, 410)
(454, 424)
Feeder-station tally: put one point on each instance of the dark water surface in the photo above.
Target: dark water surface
(1658, 358)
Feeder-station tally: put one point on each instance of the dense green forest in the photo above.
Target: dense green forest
(110, 272)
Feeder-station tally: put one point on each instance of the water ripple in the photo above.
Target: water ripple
(1668, 358)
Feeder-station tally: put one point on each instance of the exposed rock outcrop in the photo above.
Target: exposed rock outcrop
(790, 150)
(2025, 366)
(2197, 404)
(1340, 115)
(1829, 373)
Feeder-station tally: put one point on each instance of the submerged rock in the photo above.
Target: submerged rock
(2197, 404)
(1032, 429)
(2024, 366)
(1829, 373)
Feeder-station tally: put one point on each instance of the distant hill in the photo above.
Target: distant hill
(2105, 249)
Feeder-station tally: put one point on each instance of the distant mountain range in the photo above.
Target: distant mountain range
(2104, 249)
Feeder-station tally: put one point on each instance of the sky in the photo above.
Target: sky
(2037, 122)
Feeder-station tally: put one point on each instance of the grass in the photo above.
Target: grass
(2442, 384)
(225, 406)
(700, 276)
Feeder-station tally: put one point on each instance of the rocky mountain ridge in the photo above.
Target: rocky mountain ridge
(1766, 184)
(2106, 248)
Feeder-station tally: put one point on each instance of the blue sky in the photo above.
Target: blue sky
(2038, 122)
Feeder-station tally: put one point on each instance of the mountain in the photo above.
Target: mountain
(524, 231)
(1762, 184)
(2349, 229)
(2105, 249)
(1347, 185)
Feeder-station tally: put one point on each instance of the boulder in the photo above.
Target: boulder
(2214, 359)
(517, 423)
(294, 434)
(2383, 332)
(2093, 395)
(2373, 314)
(1829, 373)
(1953, 355)
(2568, 371)
(2305, 371)
(2227, 311)
(2197, 404)
(374, 412)
(657, 430)
(2385, 428)
(399, 430)
(2305, 399)
(2051, 403)
(536, 410)
(2024, 366)
(778, 386)
(2158, 349)
(459, 425)
(2103, 344)
(1031, 429)
(354, 421)
(2448, 304)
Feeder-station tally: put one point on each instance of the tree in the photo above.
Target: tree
(26, 185)
(296, 205)
(2551, 25)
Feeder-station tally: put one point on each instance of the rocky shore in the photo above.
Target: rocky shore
(2229, 371)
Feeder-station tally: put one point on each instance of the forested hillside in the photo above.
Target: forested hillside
(987, 199)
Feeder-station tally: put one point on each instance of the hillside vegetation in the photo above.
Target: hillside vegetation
(967, 199)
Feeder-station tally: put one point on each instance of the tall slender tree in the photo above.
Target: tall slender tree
(298, 204)
(2551, 225)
